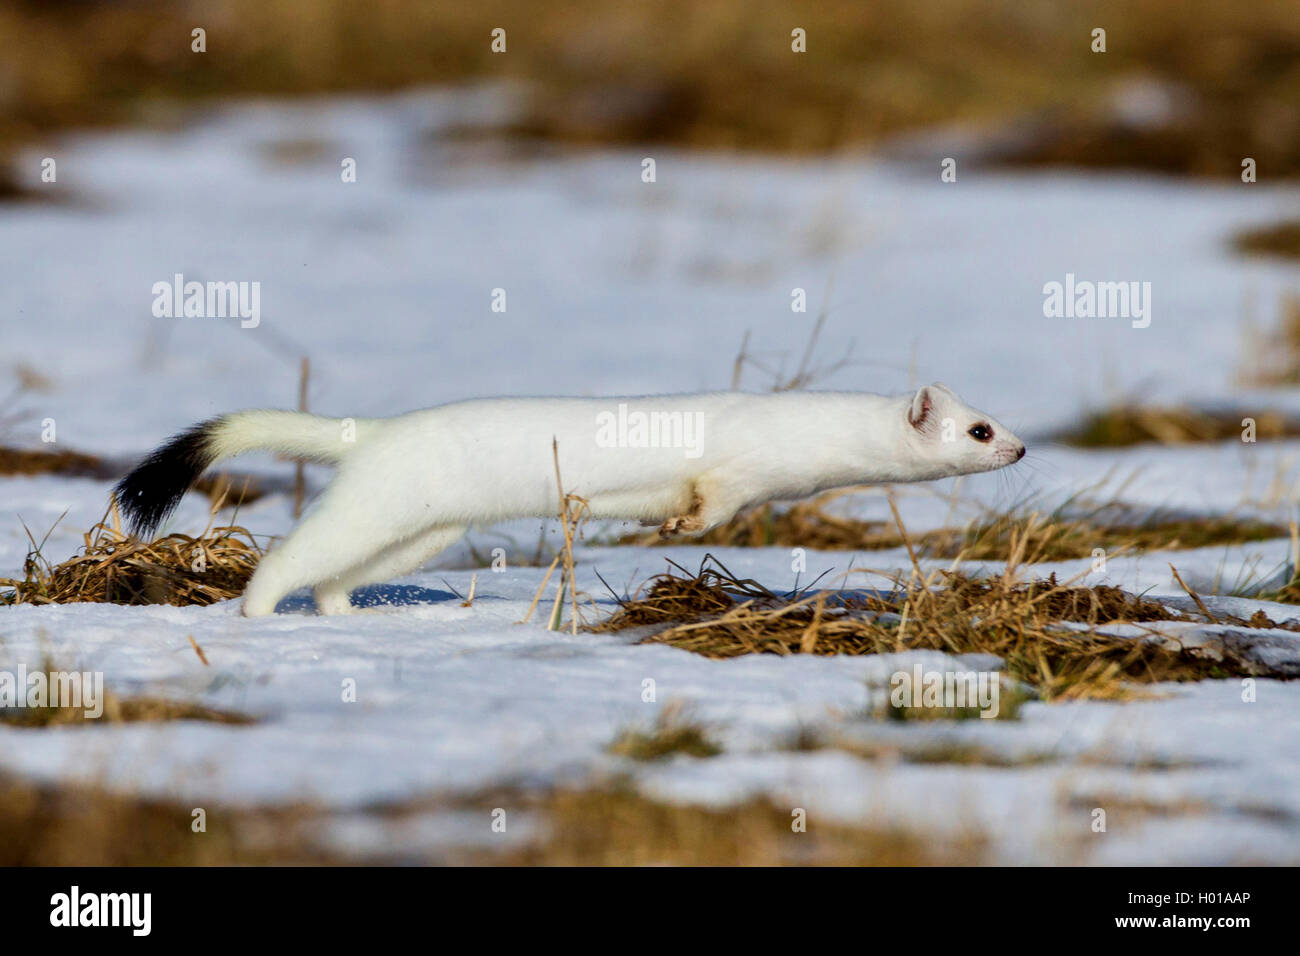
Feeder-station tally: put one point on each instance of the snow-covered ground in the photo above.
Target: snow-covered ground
(614, 285)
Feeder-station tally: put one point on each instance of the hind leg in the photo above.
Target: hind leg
(399, 558)
(328, 542)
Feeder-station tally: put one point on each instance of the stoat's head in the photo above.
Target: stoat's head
(954, 438)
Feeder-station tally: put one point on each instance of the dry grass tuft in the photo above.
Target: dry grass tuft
(673, 598)
(114, 568)
(673, 733)
(1046, 633)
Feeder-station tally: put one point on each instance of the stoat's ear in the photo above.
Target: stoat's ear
(922, 410)
(943, 388)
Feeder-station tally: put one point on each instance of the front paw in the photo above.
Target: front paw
(683, 524)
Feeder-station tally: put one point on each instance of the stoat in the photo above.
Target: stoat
(407, 487)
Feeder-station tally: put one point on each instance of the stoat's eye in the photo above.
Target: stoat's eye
(980, 432)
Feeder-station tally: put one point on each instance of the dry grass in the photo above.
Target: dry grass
(1289, 593)
(12, 190)
(922, 750)
(1113, 530)
(1271, 357)
(224, 489)
(809, 372)
(1124, 425)
(221, 487)
(573, 511)
(717, 615)
(1070, 532)
(113, 568)
(807, 524)
(88, 826)
(1282, 240)
(122, 710)
(673, 733)
(715, 74)
(18, 461)
(622, 828)
(116, 710)
(1010, 699)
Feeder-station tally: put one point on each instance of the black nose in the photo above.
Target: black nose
(1020, 454)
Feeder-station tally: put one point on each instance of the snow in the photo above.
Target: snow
(616, 286)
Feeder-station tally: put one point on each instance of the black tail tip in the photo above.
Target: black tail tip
(150, 493)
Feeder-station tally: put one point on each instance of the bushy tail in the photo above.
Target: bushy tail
(150, 493)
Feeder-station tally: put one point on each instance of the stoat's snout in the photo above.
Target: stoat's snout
(1008, 452)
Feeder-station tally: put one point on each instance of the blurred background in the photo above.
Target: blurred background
(1182, 88)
